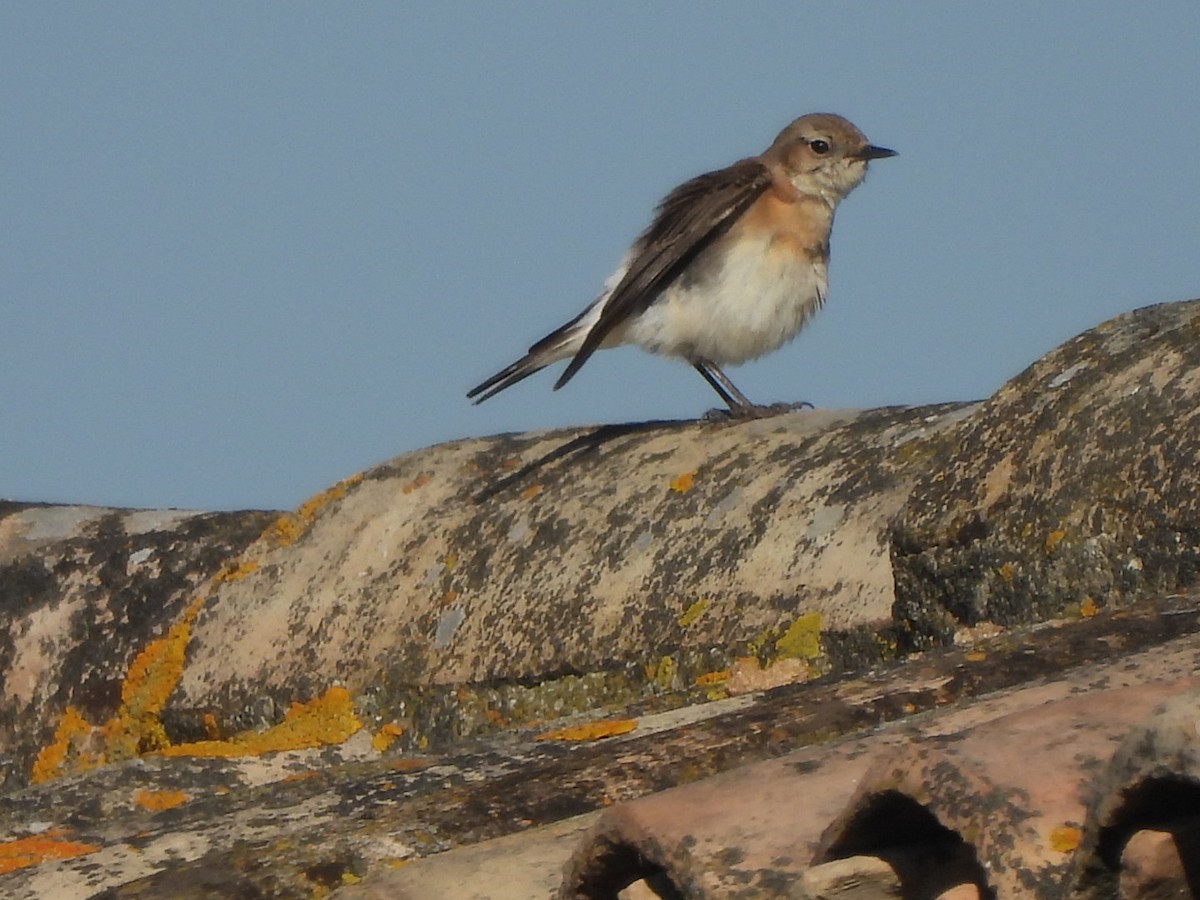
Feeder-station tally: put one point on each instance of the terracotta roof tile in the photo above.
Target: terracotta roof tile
(1033, 792)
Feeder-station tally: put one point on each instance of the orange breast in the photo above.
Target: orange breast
(800, 226)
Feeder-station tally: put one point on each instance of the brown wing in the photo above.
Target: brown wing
(689, 219)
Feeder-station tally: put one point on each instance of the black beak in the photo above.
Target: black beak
(872, 152)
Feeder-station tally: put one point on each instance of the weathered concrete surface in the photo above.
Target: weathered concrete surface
(1077, 482)
(82, 590)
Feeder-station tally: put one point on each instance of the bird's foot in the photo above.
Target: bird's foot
(746, 412)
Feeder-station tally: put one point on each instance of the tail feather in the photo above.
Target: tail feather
(562, 343)
(506, 377)
(550, 349)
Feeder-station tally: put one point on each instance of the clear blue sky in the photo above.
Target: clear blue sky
(247, 249)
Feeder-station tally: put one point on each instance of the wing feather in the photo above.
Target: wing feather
(689, 219)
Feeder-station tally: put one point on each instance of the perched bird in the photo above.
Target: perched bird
(731, 268)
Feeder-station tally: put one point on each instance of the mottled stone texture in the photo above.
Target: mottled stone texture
(82, 590)
(581, 557)
(1077, 483)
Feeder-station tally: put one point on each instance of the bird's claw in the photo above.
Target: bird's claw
(746, 413)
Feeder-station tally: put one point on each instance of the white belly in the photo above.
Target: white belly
(756, 301)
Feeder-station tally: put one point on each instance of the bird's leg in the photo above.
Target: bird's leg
(734, 399)
(739, 404)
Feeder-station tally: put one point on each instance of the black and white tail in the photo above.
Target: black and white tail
(560, 344)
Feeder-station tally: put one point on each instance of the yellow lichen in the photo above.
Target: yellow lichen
(325, 720)
(1006, 572)
(802, 640)
(664, 674)
(36, 849)
(386, 736)
(692, 613)
(756, 645)
(1088, 608)
(159, 800)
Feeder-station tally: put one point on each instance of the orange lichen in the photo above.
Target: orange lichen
(495, 717)
(135, 728)
(1065, 838)
(237, 570)
(159, 800)
(154, 673)
(591, 731)
(975, 656)
(301, 776)
(1088, 608)
(417, 483)
(290, 527)
(286, 530)
(1053, 539)
(36, 849)
(386, 736)
(149, 683)
(325, 720)
(530, 492)
(708, 679)
(65, 750)
(681, 484)
(511, 463)
(411, 764)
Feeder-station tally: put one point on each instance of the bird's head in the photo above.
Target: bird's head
(823, 154)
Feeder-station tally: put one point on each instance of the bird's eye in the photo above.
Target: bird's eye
(819, 146)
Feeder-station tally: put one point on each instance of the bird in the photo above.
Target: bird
(732, 266)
